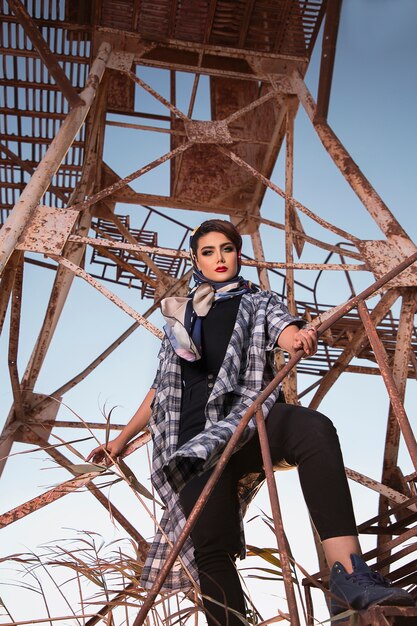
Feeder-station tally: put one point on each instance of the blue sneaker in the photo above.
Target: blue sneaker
(363, 588)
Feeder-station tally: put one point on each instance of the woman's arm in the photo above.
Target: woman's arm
(137, 423)
(292, 338)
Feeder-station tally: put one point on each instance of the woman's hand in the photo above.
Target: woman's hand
(101, 454)
(305, 339)
(293, 339)
(104, 453)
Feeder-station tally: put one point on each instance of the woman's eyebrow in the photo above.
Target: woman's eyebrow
(227, 243)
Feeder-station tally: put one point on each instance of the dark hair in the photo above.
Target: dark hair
(217, 226)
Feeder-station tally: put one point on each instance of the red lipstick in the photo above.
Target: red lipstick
(222, 268)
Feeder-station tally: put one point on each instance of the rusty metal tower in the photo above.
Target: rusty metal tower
(72, 70)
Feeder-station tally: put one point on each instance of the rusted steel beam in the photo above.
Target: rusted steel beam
(289, 210)
(388, 492)
(277, 517)
(11, 423)
(174, 110)
(271, 152)
(389, 381)
(328, 52)
(179, 65)
(14, 340)
(109, 294)
(352, 173)
(400, 369)
(46, 498)
(195, 46)
(328, 380)
(290, 389)
(69, 424)
(303, 237)
(413, 360)
(47, 56)
(50, 163)
(6, 286)
(268, 183)
(51, 619)
(169, 252)
(270, 95)
(260, 258)
(399, 372)
(363, 369)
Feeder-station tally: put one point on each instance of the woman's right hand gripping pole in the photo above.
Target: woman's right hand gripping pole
(105, 452)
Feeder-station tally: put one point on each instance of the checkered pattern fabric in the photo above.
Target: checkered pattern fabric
(244, 373)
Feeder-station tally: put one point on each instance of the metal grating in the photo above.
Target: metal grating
(32, 107)
(283, 27)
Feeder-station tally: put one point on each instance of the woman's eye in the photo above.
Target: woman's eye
(206, 252)
(229, 249)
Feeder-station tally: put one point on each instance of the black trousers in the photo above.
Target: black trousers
(304, 438)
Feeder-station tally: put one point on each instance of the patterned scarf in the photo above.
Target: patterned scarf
(184, 315)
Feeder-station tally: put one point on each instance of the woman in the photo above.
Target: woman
(213, 364)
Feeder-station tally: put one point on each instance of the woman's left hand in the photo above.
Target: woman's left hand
(305, 339)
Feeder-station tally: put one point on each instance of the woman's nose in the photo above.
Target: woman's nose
(220, 255)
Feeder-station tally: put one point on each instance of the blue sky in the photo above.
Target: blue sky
(372, 110)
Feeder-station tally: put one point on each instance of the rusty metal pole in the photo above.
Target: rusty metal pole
(6, 285)
(42, 177)
(389, 381)
(290, 388)
(328, 53)
(276, 515)
(260, 256)
(373, 203)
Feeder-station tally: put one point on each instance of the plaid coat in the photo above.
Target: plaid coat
(244, 373)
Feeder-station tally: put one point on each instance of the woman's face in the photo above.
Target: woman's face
(217, 257)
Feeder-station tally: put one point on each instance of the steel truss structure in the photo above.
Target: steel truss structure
(72, 70)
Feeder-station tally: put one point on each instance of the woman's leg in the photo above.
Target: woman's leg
(308, 439)
(216, 540)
